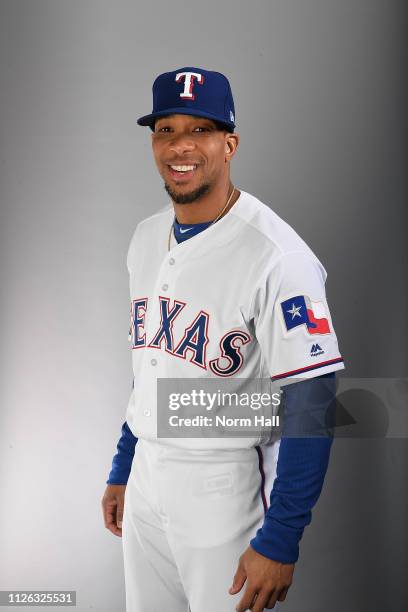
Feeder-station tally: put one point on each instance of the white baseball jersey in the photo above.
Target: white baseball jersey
(243, 298)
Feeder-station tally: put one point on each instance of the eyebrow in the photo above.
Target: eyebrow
(197, 119)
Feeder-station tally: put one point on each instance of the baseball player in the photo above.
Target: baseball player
(220, 287)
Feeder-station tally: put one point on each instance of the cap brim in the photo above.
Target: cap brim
(149, 119)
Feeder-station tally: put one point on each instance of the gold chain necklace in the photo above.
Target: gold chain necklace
(212, 222)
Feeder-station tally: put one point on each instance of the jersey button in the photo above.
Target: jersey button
(153, 361)
(172, 261)
(165, 287)
(146, 412)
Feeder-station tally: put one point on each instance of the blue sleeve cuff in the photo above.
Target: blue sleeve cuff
(122, 461)
(301, 469)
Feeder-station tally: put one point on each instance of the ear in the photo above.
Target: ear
(231, 145)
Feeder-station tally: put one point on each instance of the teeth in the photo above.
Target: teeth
(183, 168)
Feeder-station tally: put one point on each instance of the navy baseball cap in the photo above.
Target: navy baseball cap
(192, 91)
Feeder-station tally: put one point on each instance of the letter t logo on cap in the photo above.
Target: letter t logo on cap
(188, 83)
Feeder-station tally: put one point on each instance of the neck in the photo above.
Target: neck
(208, 207)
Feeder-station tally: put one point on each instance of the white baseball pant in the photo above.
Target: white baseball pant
(188, 516)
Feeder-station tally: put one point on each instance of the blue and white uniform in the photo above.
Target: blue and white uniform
(244, 297)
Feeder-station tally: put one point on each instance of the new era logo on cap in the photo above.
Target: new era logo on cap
(192, 91)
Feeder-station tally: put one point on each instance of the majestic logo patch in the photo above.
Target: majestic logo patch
(301, 310)
(316, 350)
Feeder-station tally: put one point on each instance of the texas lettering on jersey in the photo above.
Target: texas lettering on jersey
(193, 343)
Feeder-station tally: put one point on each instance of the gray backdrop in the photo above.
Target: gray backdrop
(318, 87)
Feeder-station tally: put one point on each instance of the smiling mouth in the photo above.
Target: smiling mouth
(183, 172)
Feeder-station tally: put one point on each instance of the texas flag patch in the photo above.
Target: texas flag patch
(301, 310)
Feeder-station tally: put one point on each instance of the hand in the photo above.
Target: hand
(112, 507)
(267, 581)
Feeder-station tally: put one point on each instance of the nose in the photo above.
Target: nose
(182, 143)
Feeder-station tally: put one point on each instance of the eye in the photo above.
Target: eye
(166, 129)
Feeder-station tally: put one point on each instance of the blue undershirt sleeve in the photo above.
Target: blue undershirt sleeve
(301, 467)
(122, 461)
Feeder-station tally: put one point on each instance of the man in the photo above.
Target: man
(221, 287)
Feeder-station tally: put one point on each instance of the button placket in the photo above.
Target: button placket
(153, 315)
(170, 262)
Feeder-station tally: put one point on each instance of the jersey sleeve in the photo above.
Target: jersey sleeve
(292, 320)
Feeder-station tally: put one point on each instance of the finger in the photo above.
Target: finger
(117, 531)
(119, 515)
(112, 525)
(260, 601)
(283, 594)
(273, 597)
(239, 580)
(110, 519)
(109, 513)
(247, 599)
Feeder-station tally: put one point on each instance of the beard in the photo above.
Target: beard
(191, 196)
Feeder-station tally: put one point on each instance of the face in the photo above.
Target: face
(191, 155)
